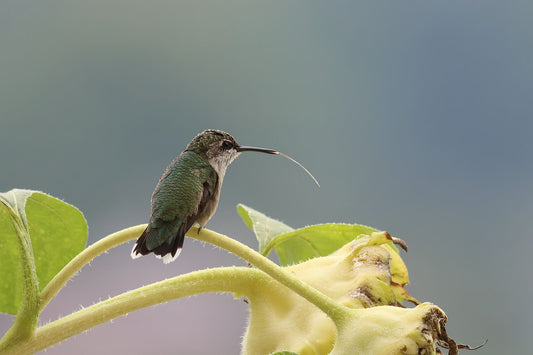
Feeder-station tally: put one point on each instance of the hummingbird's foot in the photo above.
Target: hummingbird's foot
(199, 229)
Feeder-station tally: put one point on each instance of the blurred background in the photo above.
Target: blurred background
(415, 117)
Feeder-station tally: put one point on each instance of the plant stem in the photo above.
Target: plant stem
(333, 309)
(229, 279)
(211, 280)
(85, 257)
(326, 304)
(26, 320)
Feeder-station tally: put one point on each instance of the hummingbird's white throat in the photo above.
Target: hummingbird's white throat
(220, 162)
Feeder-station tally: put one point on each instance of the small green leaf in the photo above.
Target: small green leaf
(313, 241)
(296, 246)
(58, 232)
(264, 227)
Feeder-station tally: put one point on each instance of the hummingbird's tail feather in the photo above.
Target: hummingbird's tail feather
(168, 258)
(164, 241)
(139, 249)
(170, 248)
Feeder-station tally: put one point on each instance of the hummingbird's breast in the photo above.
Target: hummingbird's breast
(211, 198)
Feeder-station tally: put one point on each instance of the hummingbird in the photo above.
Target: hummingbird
(188, 192)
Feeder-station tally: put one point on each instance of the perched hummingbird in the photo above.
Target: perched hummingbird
(188, 192)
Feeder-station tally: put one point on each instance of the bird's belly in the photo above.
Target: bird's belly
(207, 213)
(210, 207)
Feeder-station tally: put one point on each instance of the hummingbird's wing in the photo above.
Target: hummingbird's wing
(180, 197)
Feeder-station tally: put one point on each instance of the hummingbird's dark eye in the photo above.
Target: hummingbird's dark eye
(227, 145)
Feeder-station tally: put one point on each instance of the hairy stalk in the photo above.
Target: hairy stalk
(329, 306)
(26, 320)
(334, 310)
(213, 280)
(85, 257)
(229, 279)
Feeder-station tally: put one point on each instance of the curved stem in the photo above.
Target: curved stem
(85, 257)
(26, 319)
(333, 309)
(326, 304)
(230, 279)
(211, 280)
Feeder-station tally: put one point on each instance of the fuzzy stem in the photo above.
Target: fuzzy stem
(334, 310)
(214, 280)
(229, 279)
(85, 257)
(26, 319)
(326, 304)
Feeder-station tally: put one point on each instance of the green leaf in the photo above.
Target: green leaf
(264, 227)
(296, 246)
(10, 267)
(58, 232)
(313, 241)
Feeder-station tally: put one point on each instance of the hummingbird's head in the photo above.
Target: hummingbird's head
(218, 147)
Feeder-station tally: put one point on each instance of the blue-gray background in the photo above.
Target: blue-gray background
(416, 117)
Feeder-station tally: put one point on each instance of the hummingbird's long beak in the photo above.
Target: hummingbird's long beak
(271, 151)
(242, 148)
